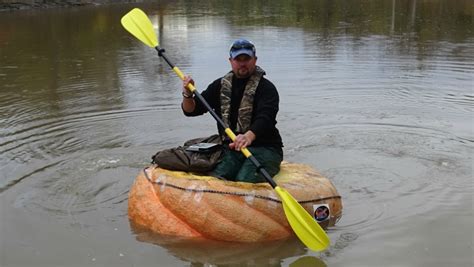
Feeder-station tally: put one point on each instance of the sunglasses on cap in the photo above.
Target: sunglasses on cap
(242, 44)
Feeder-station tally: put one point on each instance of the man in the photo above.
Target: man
(248, 104)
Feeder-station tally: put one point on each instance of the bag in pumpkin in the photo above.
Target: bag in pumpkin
(182, 159)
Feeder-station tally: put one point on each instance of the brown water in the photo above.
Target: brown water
(377, 95)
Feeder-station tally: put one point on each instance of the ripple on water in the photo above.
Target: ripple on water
(48, 137)
(79, 188)
(344, 240)
(421, 168)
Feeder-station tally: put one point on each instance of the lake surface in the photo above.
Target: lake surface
(376, 95)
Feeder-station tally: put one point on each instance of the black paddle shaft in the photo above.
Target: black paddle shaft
(255, 162)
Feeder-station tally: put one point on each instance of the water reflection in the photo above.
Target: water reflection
(308, 261)
(206, 252)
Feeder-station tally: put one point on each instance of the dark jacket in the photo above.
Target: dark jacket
(265, 109)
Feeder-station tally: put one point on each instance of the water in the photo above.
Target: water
(376, 95)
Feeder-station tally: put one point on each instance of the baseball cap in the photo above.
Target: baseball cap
(242, 46)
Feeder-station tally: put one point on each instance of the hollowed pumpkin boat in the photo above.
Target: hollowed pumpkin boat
(188, 205)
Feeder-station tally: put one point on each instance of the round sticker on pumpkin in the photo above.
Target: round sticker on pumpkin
(321, 212)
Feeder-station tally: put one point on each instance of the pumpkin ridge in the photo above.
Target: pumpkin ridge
(247, 226)
(151, 205)
(284, 229)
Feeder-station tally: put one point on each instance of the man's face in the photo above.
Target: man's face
(243, 65)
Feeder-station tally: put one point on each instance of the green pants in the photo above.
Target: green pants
(234, 166)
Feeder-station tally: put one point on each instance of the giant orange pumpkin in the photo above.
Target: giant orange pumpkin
(194, 206)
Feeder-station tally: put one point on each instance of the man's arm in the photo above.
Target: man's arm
(193, 107)
(265, 110)
(188, 104)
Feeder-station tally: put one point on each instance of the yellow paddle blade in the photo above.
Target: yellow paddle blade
(304, 226)
(139, 25)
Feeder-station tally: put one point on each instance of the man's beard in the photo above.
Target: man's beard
(243, 73)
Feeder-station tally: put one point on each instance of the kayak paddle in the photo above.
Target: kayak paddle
(305, 227)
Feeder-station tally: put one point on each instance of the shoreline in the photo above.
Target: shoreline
(37, 5)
